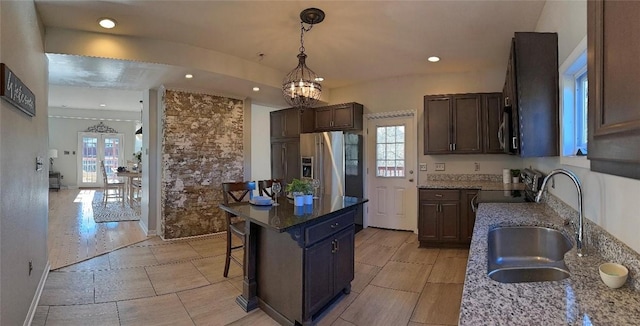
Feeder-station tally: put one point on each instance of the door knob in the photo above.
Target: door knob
(410, 171)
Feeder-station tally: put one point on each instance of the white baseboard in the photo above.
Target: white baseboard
(36, 297)
(145, 229)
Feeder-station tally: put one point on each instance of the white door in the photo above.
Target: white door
(96, 147)
(391, 173)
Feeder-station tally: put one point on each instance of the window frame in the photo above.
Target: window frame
(404, 157)
(572, 68)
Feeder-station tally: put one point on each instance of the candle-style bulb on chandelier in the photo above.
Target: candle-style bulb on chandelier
(301, 87)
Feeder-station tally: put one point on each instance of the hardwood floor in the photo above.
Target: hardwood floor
(73, 234)
(154, 282)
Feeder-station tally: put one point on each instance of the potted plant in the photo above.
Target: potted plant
(298, 188)
(515, 175)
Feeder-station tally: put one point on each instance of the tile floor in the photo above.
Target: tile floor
(180, 283)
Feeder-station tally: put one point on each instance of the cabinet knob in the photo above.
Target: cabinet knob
(438, 195)
(333, 226)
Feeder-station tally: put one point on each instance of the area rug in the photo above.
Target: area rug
(113, 211)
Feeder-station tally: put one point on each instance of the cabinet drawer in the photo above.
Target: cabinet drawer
(434, 194)
(319, 231)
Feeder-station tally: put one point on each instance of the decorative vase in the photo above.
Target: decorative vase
(515, 179)
(308, 199)
(298, 199)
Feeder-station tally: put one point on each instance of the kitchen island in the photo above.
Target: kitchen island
(298, 259)
(581, 299)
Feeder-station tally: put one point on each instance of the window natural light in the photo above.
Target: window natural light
(390, 155)
(573, 104)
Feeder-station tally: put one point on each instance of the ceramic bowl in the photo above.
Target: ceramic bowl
(613, 275)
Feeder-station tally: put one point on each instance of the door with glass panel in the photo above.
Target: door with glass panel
(391, 176)
(93, 148)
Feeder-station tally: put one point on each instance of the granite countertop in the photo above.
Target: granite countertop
(581, 299)
(470, 184)
(286, 216)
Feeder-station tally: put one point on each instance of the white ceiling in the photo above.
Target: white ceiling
(358, 41)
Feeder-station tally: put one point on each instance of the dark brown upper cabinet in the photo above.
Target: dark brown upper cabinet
(492, 107)
(531, 95)
(454, 123)
(290, 122)
(614, 75)
(338, 117)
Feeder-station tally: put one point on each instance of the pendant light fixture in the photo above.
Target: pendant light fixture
(301, 87)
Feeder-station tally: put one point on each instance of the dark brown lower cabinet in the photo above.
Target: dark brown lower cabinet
(315, 263)
(444, 219)
(330, 269)
(468, 216)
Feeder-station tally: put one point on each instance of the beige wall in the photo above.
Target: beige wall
(23, 190)
(610, 201)
(260, 142)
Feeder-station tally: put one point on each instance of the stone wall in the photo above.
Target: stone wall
(202, 146)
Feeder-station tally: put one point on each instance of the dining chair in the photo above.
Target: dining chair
(264, 187)
(235, 192)
(111, 184)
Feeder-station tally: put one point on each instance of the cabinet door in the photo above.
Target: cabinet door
(449, 217)
(277, 160)
(323, 118)
(277, 123)
(291, 123)
(467, 123)
(343, 259)
(291, 160)
(343, 117)
(614, 75)
(318, 279)
(492, 110)
(428, 221)
(437, 124)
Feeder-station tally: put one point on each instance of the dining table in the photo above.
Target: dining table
(129, 177)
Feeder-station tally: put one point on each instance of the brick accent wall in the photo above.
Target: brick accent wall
(202, 146)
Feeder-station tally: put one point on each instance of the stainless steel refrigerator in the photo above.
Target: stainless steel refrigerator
(336, 159)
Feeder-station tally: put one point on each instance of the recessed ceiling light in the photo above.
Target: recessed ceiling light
(103, 105)
(107, 23)
(256, 89)
(319, 79)
(188, 76)
(433, 59)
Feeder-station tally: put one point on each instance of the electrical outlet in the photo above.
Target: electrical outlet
(476, 166)
(439, 166)
(423, 166)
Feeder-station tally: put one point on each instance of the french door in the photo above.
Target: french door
(96, 147)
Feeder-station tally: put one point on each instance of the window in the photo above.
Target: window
(574, 104)
(390, 157)
(581, 104)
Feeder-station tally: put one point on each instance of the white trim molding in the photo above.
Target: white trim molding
(390, 114)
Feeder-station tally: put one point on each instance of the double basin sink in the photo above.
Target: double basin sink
(527, 254)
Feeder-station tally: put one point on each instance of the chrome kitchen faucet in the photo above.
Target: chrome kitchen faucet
(580, 243)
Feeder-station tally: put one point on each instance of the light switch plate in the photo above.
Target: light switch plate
(423, 166)
(439, 166)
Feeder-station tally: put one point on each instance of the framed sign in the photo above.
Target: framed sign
(14, 91)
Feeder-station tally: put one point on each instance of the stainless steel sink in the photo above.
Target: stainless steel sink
(527, 254)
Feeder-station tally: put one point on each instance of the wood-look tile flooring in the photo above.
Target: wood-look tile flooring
(180, 283)
(73, 234)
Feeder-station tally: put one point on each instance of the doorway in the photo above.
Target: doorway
(391, 176)
(96, 147)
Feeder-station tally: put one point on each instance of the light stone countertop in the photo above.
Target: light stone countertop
(470, 184)
(581, 299)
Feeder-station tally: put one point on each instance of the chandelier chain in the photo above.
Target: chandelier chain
(302, 30)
